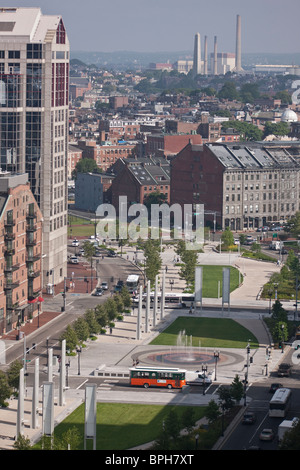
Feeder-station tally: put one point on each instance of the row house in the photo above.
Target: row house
(244, 185)
(118, 129)
(74, 155)
(105, 155)
(20, 252)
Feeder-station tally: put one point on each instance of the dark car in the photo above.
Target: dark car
(249, 418)
(274, 387)
(111, 254)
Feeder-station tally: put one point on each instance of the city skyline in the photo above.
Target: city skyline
(268, 26)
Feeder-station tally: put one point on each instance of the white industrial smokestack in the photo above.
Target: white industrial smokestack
(205, 55)
(238, 51)
(197, 55)
(215, 57)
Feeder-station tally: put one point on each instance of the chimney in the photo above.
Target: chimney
(215, 57)
(197, 55)
(205, 55)
(238, 51)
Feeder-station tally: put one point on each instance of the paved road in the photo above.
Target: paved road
(116, 352)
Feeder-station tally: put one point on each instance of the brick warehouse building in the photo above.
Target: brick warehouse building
(244, 185)
(20, 251)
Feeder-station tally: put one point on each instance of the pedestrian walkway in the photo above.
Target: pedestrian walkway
(115, 351)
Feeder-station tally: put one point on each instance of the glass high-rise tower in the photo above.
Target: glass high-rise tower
(34, 84)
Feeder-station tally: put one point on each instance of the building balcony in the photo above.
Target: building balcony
(11, 306)
(31, 228)
(9, 223)
(10, 285)
(9, 236)
(31, 215)
(33, 274)
(9, 251)
(30, 241)
(32, 258)
(11, 268)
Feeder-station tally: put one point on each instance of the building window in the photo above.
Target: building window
(34, 51)
(61, 33)
(14, 54)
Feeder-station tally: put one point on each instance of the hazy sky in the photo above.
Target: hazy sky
(170, 25)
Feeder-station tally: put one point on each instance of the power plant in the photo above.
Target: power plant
(220, 63)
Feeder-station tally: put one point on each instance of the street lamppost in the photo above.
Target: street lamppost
(78, 350)
(204, 369)
(246, 374)
(216, 356)
(282, 336)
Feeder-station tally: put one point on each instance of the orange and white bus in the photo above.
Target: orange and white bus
(154, 377)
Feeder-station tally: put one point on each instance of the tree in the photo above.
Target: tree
(5, 389)
(237, 389)
(81, 328)
(90, 318)
(212, 412)
(101, 316)
(155, 198)
(276, 128)
(188, 418)
(22, 443)
(225, 397)
(13, 374)
(227, 238)
(119, 303)
(71, 338)
(293, 225)
(124, 293)
(228, 92)
(172, 425)
(152, 259)
(111, 309)
(86, 165)
(279, 314)
(69, 440)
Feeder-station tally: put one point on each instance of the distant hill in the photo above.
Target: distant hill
(135, 60)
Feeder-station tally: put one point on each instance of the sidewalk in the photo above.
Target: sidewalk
(115, 350)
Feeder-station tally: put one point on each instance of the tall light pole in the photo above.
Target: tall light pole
(216, 356)
(204, 370)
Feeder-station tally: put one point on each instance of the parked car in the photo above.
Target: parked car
(98, 291)
(104, 286)
(74, 260)
(201, 376)
(266, 435)
(249, 418)
(75, 242)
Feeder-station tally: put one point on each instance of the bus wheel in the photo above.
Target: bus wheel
(169, 386)
(146, 385)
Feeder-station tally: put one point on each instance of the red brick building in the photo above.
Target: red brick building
(244, 185)
(105, 155)
(20, 252)
(169, 144)
(138, 178)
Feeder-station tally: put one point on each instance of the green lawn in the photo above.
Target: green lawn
(121, 426)
(213, 274)
(208, 332)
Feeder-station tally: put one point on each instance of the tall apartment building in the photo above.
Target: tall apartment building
(34, 71)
